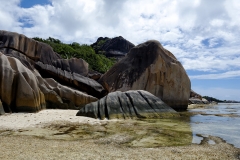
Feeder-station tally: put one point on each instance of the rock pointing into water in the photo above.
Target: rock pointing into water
(130, 104)
(150, 67)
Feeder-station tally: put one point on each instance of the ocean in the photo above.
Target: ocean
(221, 120)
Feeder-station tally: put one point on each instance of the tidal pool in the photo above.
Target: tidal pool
(222, 120)
(199, 125)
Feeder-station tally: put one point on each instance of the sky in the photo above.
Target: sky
(204, 35)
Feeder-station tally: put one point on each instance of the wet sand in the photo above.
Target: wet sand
(52, 134)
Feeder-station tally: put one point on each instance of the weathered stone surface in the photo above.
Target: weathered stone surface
(24, 90)
(150, 67)
(74, 65)
(195, 95)
(19, 87)
(34, 50)
(114, 47)
(94, 75)
(1, 108)
(75, 80)
(205, 101)
(130, 104)
(27, 62)
(63, 97)
(195, 101)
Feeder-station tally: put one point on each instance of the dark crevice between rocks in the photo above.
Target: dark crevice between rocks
(148, 77)
(147, 101)
(130, 110)
(14, 93)
(32, 58)
(135, 110)
(106, 109)
(26, 61)
(121, 108)
(98, 110)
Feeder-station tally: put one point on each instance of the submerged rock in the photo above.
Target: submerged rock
(150, 67)
(130, 104)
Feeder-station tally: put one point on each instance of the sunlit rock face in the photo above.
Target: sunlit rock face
(150, 67)
(37, 51)
(125, 105)
(19, 89)
(24, 88)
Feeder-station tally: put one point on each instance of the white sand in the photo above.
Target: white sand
(23, 120)
(16, 146)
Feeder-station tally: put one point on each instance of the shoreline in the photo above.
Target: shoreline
(50, 134)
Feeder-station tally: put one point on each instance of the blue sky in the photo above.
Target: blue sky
(203, 34)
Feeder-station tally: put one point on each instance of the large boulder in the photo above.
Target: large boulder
(112, 47)
(63, 97)
(75, 65)
(24, 90)
(37, 51)
(75, 80)
(29, 51)
(150, 67)
(130, 104)
(19, 89)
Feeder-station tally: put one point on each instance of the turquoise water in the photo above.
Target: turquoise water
(222, 120)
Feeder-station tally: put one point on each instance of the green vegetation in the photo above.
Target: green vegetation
(98, 45)
(150, 133)
(210, 99)
(97, 62)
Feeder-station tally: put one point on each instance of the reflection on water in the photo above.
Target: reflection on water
(222, 120)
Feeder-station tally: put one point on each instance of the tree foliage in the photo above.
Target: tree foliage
(96, 62)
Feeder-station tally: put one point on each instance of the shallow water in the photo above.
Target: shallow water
(222, 120)
(194, 126)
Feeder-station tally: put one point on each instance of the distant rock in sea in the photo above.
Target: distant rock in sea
(196, 98)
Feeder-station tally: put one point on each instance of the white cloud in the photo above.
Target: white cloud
(229, 74)
(219, 93)
(204, 35)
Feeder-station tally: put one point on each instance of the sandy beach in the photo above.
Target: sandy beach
(50, 134)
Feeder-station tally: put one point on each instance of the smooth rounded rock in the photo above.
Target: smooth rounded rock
(19, 89)
(150, 67)
(125, 105)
